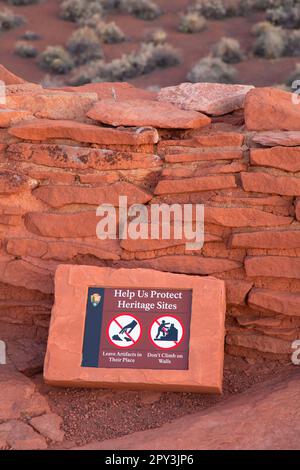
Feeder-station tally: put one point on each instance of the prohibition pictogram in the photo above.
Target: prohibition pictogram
(166, 332)
(124, 331)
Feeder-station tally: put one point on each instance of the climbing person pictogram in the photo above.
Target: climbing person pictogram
(124, 331)
(166, 332)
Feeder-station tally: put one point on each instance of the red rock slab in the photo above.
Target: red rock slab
(237, 291)
(269, 109)
(185, 264)
(215, 139)
(273, 266)
(67, 156)
(149, 245)
(209, 98)
(106, 90)
(60, 129)
(58, 196)
(204, 183)
(259, 342)
(284, 158)
(243, 217)
(64, 350)
(243, 422)
(261, 182)
(17, 435)
(197, 155)
(21, 273)
(11, 116)
(268, 239)
(146, 113)
(53, 105)
(62, 225)
(286, 303)
(272, 139)
(8, 77)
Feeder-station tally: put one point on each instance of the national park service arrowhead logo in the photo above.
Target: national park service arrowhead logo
(95, 299)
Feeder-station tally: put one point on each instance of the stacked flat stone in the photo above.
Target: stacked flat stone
(235, 149)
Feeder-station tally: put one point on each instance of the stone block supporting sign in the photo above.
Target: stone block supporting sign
(136, 329)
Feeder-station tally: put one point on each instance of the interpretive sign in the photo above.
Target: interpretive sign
(136, 328)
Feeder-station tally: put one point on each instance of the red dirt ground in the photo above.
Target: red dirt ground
(43, 18)
(90, 415)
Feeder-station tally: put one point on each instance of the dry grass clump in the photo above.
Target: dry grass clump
(56, 59)
(212, 70)
(25, 49)
(192, 22)
(229, 50)
(84, 45)
(9, 20)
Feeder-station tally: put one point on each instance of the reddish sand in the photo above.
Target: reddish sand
(44, 19)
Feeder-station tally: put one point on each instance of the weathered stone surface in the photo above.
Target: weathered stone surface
(18, 395)
(259, 342)
(199, 155)
(243, 422)
(12, 182)
(243, 217)
(271, 239)
(44, 129)
(68, 225)
(205, 183)
(149, 245)
(20, 436)
(209, 98)
(286, 303)
(58, 196)
(27, 355)
(64, 351)
(22, 273)
(66, 156)
(260, 182)
(54, 105)
(273, 266)
(236, 291)
(191, 264)
(204, 170)
(49, 425)
(284, 158)
(11, 116)
(271, 109)
(273, 138)
(146, 113)
(101, 249)
(8, 77)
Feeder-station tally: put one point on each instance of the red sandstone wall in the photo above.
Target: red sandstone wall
(55, 173)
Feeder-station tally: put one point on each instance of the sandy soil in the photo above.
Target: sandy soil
(90, 415)
(43, 18)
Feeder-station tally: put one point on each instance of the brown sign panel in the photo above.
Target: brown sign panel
(136, 329)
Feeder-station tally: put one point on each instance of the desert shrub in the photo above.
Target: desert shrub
(23, 2)
(270, 43)
(229, 50)
(212, 9)
(84, 45)
(75, 10)
(147, 58)
(110, 33)
(25, 49)
(287, 16)
(261, 28)
(293, 43)
(192, 22)
(143, 9)
(212, 69)
(158, 36)
(56, 59)
(8, 19)
(30, 36)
